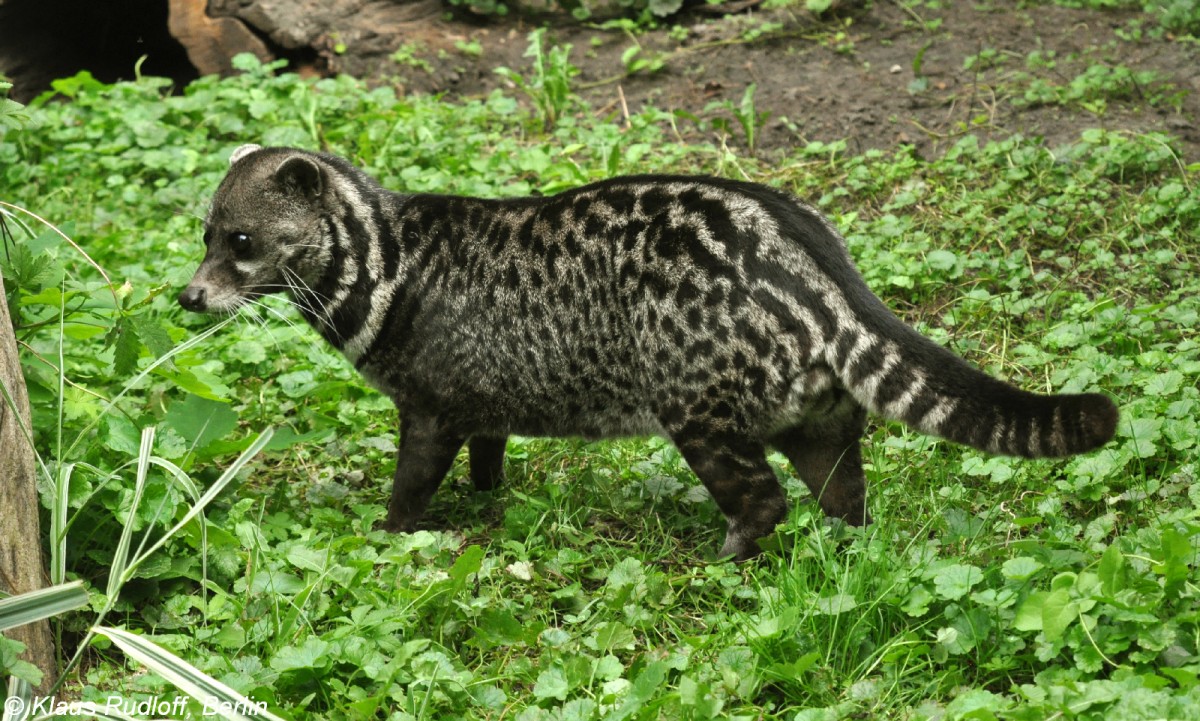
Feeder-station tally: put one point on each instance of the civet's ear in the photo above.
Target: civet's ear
(300, 174)
(243, 151)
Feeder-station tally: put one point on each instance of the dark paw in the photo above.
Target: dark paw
(487, 480)
(741, 549)
(397, 525)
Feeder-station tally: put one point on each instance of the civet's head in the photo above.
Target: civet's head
(264, 232)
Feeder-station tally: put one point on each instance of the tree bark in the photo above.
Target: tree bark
(22, 568)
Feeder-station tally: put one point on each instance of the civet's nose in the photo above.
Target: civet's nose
(194, 298)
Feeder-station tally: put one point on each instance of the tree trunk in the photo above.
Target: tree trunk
(21, 564)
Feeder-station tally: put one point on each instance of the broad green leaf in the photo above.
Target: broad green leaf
(153, 335)
(1058, 611)
(836, 604)
(1020, 568)
(954, 581)
(1029, 614)
(641, 691)
(1174, 558)
(609, 667)
(611, 635)
(313, 654)
(1163, 384)
(941, 259)
(201, 421)
(916, 603)
(551, 683)
(1143, 434)
(469, 562)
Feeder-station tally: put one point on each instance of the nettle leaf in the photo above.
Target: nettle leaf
(153, 335)
(127, 347)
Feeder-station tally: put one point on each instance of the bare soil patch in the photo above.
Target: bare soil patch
(848, 77)
(875, 74)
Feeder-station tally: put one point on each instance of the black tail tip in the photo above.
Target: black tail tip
(1098, 417)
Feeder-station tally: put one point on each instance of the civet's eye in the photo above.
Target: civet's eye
(240, 242)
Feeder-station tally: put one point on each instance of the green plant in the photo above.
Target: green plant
(406, 55)
(61, 489)
(748, 117)
(208, 695)
(919, 83)
(988, 59)
(636, 62)
(987, 588)
(1177, 16)
(1094, 88)
(12, 113)
(484, 7)
(549, 82)
(470, 48)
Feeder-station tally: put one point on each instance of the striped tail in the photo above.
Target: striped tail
(898, 373)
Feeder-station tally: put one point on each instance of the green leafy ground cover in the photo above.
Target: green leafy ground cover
(586, 589)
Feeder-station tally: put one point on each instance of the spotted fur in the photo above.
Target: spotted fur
(726, 316)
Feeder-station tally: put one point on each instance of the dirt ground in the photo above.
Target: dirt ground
(842, 77)
(876, 74)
